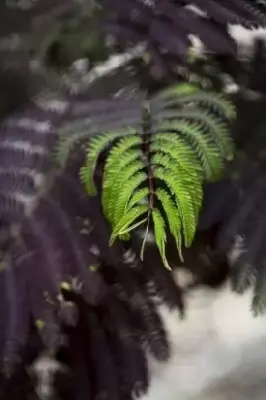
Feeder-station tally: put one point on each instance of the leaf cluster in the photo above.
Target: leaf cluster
(160, 153)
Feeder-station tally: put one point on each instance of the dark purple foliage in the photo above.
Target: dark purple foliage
(52, 234)
(166, 26)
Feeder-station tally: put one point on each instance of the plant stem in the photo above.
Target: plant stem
(147, 153)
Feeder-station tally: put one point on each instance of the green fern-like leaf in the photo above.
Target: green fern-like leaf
(126, 193)
(173, 217)
(207, 152)
(183, 199)
(182, 89)
(124, 154)
(124, 224)
(160, 234)
(156, 166)
(97, 145)
(188, 94)
(141, 196)
(217, 130)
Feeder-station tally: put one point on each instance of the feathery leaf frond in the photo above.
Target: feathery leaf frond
(156, 168)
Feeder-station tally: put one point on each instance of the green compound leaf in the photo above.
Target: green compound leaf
(156, 168)
(127, 219)
(160, 235)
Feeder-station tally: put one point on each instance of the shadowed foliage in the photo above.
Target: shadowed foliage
(170, 27)
(59, 273)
